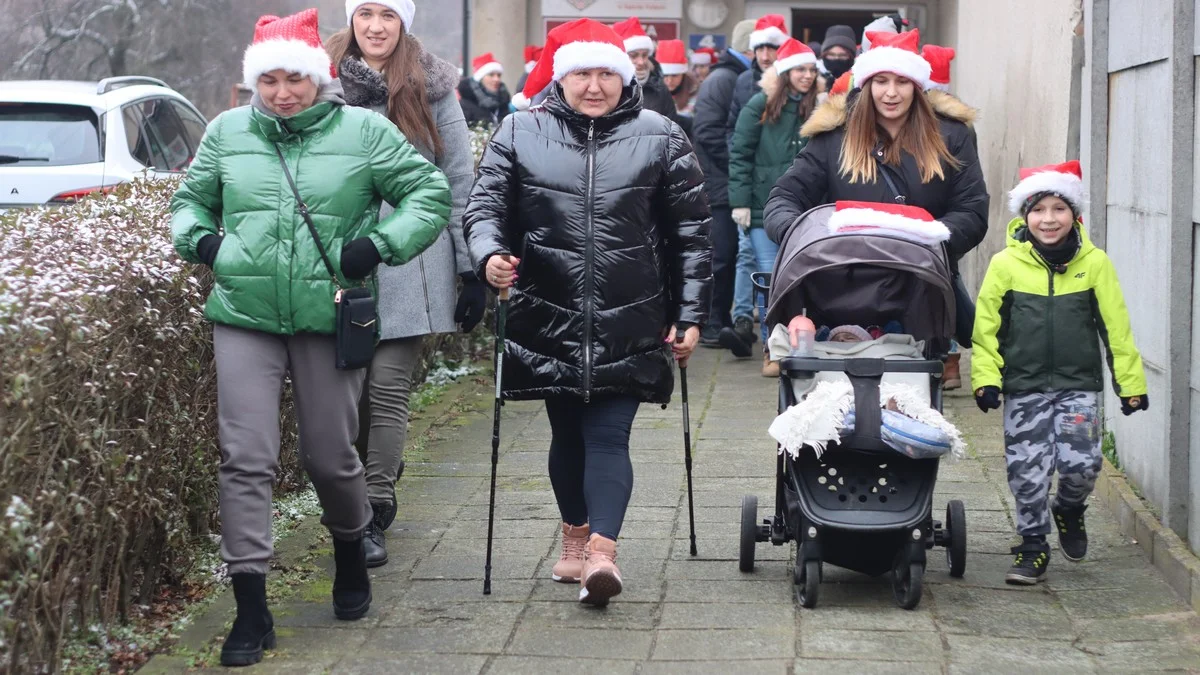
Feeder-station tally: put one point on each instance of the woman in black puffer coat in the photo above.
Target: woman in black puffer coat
(602, 204)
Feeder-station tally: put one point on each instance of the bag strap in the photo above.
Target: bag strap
(887, 178)
(312, 229)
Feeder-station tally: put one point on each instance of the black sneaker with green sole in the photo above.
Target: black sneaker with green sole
(1029, 566)
(1072, 534)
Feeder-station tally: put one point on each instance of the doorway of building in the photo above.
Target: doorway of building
(809, 25)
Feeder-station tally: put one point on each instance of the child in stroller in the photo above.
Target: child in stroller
(862, 506)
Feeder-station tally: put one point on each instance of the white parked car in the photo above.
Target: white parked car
(60, 140)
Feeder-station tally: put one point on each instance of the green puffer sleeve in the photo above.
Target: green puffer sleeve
(1129, 377)
(417, 189)
(742, 150)
(196, 205)
(986, 361)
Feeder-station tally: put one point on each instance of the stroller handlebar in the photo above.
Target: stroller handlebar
(860, 367)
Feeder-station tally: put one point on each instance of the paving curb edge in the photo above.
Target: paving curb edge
(1167, 552)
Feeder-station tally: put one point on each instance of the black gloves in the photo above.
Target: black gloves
(1128, 405)
(359, 258)
(987, 398)
(472, 301)
(207, 247)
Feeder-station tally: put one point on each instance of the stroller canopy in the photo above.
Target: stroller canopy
(862, 279)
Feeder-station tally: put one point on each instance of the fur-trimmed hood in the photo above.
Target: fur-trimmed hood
(769, 82)
(367, 88)
(833, 113)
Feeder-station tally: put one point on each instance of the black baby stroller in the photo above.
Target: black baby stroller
(861, 505)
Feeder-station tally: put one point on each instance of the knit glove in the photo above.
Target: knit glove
(987, 398)
(1132, 404)
(472, 301)
(741, 216)
(207, 247)
(359, 258)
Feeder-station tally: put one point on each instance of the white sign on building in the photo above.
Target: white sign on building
(643, 9)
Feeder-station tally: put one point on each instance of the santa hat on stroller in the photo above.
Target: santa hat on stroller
(578, 45)
(291, 43)
(892, 53)
(899, 220)
(1064, 181)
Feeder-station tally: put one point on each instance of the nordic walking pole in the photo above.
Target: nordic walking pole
(501, 316)
(687, 441)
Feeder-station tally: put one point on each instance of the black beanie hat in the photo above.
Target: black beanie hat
(840, 36)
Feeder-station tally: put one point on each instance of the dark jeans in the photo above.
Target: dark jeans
(724, 236)
(589, 460)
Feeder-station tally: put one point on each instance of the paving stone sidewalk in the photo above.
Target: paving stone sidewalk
(679, 614)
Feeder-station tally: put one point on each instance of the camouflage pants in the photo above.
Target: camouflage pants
(1047, 432)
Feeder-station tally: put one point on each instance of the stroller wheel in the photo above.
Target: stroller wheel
(906, 582)
(749, 536)
(956, 529)
(807, 579)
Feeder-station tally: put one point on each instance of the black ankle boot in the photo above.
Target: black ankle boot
(383, 513)
(253, 629)
(351, 583)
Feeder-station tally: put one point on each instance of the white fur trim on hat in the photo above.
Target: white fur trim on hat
(891, 60)
(673, 68)
(529, 66)
(520, 101)
(1065, 185)
(583, 55)
(937, 86)
(487, 69)
(923, 231)
(406, 9)
(771, 35)
(795, 61)
(294, 56)
(637, 42)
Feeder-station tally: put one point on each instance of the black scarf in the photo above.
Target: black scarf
(483, 98)
(1058, 256)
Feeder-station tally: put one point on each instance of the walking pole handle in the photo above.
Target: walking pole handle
(504, 292)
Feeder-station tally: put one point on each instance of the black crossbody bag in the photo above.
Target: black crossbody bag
(355, 320)
(964, 306)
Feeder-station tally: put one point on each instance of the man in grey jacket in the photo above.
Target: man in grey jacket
(712, 149)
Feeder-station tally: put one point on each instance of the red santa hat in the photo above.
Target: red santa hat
(578, 45)
(939, 59)
(405, 9)
(532, 54)
(1061, 180)
(704, 56)
(793, 54)
(292, 43)
(672, 56)
(892, 53)
(630, 30)
(770, 30)
(484, 65)
(908, 222)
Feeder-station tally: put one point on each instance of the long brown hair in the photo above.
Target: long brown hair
(779, 98)
(408, 103)
(921, 137)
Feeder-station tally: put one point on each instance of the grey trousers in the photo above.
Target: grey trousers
(386, 427)
(1047, 432)
(251, 366)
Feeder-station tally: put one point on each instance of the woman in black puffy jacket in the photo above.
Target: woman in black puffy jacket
(602, 206)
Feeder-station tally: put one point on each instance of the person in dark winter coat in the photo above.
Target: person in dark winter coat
(640, 47)
(765, 141)
(603, 203)
(837, 54)
(848, 159)
(384, 68)
(483, 96)
(712, 148)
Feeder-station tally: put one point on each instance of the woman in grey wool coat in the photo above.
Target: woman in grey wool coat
(384, 68)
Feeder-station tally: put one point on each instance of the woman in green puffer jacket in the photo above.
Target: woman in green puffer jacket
(765, 142)
(273, 299)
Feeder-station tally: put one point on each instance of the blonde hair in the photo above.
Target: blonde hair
(921, 137)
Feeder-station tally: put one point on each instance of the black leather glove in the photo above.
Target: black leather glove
(1128, 407)
(987, 398)
(207, 247)
(359, 258)
(472, 301)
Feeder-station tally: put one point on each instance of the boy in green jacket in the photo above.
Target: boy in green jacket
(1045, 299)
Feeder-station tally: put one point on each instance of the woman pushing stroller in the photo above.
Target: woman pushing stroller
(592, 210)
